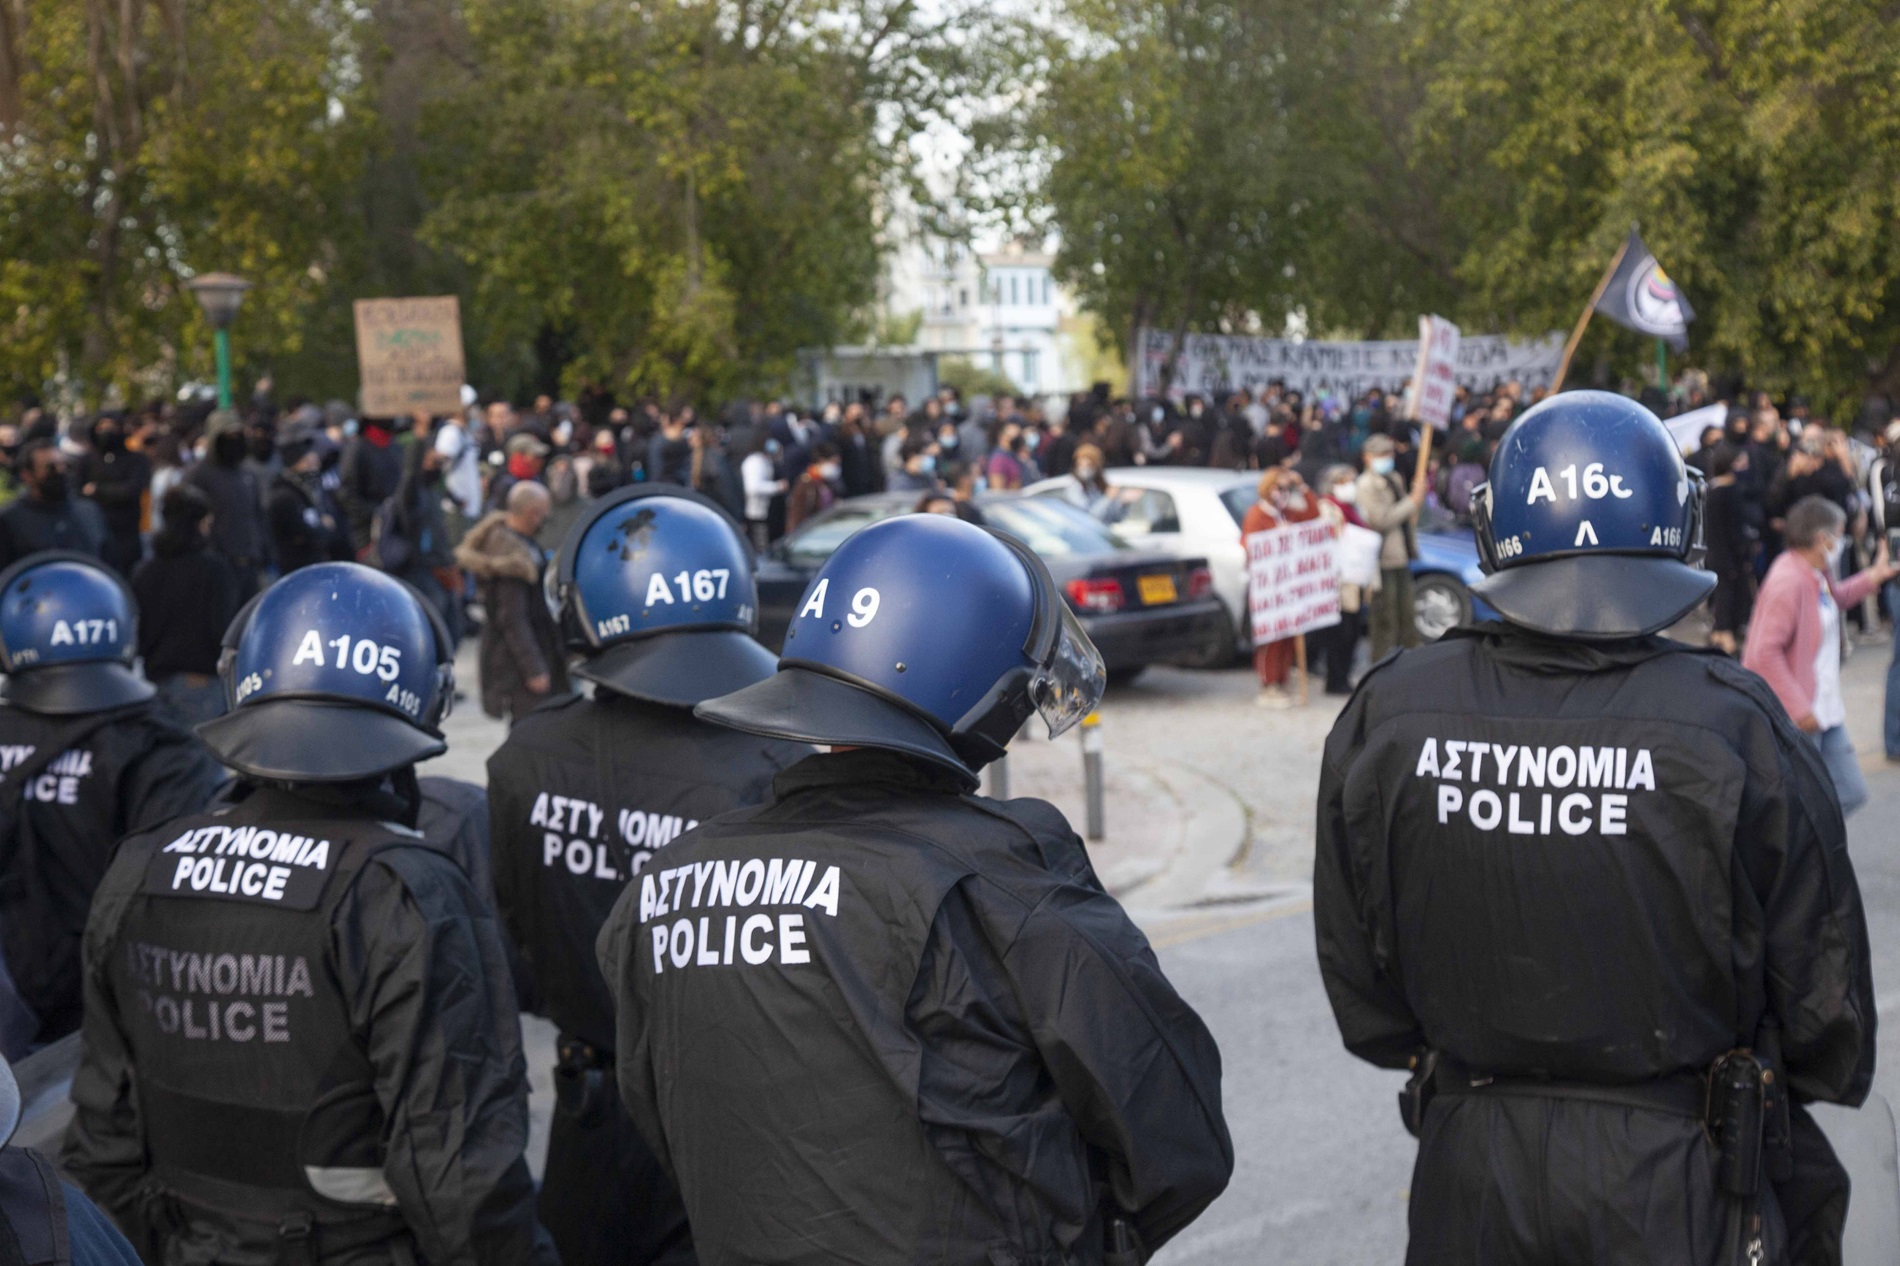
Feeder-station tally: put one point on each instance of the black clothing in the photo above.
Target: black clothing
(43, 1222)
(306, 526)
(861, 464)
(322, 1032)
(237, 517)
(114, 773)
(1731, 556)
(119, 480)
(896, 1023)
(28, 526)
(1599, 863)
(187, 597)
(368, 475)
(584, 795)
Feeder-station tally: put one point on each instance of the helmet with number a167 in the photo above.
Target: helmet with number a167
(1591, 524)
(68, 636)
(925, 635)
(653, 586)
(336, 672)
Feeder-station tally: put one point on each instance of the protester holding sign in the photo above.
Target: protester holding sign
(1386, 506)
(1283, 498)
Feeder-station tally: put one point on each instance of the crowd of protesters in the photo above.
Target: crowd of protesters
(200, 507)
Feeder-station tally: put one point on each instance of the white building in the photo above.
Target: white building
(1001, 310)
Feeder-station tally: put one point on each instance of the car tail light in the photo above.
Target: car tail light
(1096, 595)
(1200, 582)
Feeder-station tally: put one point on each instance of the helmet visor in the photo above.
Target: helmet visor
(1068, 687)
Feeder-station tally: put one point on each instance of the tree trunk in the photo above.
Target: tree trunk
(1137, 321)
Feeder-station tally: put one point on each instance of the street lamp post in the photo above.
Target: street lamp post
(220, 295)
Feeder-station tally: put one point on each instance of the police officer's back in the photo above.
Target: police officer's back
(87, 756)
(1594, 887)
(655, 591)
(881, 1018)
(300, 1037)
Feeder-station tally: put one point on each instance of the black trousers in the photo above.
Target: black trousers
(1334, 647)
(604, 1198)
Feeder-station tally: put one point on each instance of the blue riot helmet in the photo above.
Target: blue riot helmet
(336, 672)
(654, 588)
(1591, 523)
(68, 635)
(927, 635)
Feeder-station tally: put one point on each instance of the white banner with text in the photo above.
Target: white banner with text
(1292, 580)
(1211, 364)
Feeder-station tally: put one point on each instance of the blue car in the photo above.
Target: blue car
(1442, 576)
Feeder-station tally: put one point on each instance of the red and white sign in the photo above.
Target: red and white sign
(1292, 580)
(1435, 377)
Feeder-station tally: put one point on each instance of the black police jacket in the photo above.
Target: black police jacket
(584, 795)
(111, 774)
(298, 1012)
(881, 1021)
(1604, 863)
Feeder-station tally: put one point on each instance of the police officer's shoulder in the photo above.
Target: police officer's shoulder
(1048, 831)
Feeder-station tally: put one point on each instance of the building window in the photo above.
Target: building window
(1012, 289)
(1030, 357)
(963, 297)
(1045, 288)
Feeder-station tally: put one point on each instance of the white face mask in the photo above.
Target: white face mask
(1346, 493)
(1834, 552)
(829, 470)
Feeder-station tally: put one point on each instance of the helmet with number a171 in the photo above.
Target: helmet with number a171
(925, 635)
(653, 587)
(335, 673)
(68, 636)
(1591, 524)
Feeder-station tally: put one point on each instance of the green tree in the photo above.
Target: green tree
(686, 193)
(143, 142)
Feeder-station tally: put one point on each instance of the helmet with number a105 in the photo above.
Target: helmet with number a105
(925, 635)
(68, 636)
(1591, 524)
(654, 588)
(335, 673)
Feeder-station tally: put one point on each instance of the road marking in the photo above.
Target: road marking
(1182, 936)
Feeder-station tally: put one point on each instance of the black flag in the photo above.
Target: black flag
(1641, 297)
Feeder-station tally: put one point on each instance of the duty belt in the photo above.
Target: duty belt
(583, 1082)
(1682, 1095)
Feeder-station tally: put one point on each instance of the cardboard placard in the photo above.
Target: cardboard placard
(409, 355)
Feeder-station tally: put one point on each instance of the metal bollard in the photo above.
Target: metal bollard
(999, 778)
(1092, 772)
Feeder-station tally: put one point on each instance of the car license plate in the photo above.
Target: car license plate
(1157, 590)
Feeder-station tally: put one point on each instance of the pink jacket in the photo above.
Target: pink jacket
(1784, 635)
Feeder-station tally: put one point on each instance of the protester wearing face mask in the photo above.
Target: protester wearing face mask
(917, 467)
(1090, 490)
(1794, 639)
(1283, 498)
(1334, 647)
(47, 515)
(116, 479)
(1388, 507)
(816, 489)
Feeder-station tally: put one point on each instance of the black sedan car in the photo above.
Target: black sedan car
(1138, 607)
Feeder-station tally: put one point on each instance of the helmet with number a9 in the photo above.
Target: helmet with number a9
(925, 635)
(653, 586)
(1591, 524)
(68, 636)
(336, 672)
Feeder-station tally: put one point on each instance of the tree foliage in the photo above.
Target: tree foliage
(1224, 159)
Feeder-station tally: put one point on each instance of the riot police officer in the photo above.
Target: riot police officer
(301, 1041)
(87, 756)
(1593, 887)
(884, 1019)
(653, 587)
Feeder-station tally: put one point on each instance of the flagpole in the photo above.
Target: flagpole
(1576, 335)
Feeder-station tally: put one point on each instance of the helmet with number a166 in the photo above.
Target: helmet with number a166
(1591, 524)
(68, 636)
(654, 587)
(925, 635)
(336, 672)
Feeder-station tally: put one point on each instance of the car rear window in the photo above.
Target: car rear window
(821, 539)
(1237, 499)
(1054, 529)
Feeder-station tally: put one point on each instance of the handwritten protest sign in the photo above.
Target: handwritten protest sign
(409, 354)
(1292, 580)
(1213, 363)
